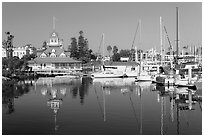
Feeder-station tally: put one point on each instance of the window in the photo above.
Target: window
(53, 50)
(43, 55)
(62, 55)
(53, 55)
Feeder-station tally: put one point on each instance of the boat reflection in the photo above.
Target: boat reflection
(127, 87)
(181, 99)
(115, 82)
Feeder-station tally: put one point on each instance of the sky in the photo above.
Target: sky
(32, 23)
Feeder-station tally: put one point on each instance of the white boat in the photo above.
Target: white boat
(185, 83)
(68, 76)
(144, 76)
(108, 74)
(131, 74)
(188, 81)
(166, 80)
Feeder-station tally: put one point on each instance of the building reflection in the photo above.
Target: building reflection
(78, 88)
(55, 94)
(56, 90)
(55, 98)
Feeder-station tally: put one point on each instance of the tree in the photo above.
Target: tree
(109, 49)
(82, 45)
(44, 45)
(115, 49)
(125, 53)
(79, 49)
(73, 48)
(116, 57)
(4, 43)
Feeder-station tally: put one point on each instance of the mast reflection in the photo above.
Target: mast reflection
(181, 99)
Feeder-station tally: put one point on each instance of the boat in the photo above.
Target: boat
(107, 73)
(68, 76)
(143, 77)
(187, 81)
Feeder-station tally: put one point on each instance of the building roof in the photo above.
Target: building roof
(54, 35)
(58, 50)
(54, 60)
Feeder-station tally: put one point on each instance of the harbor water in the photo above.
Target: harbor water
(85, 106)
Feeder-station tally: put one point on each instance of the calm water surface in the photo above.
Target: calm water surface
(98, 107)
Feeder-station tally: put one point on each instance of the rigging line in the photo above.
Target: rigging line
(135, 35)
(98, 100)
(168, 38)
(133, 110)
(100, 44)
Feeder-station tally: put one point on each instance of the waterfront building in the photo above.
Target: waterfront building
(124, 59)
(20, 51)
(54, 58)
(3, 52)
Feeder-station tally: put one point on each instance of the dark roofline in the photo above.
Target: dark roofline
(55, 60)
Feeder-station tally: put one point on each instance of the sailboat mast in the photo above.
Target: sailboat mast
(161, 42)
(132, 58)
(104, 107)
(177, 34)
(103, 49)
(140, 26)
(140, 39)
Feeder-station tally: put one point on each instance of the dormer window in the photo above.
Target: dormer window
(53, 50)
(53, 55)
(62, 55)
(43, 55)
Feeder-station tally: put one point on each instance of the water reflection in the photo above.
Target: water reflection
(181, 99)
(60, 87)
(125, 106)
(56, 89)
(11, 90)
(54, 94)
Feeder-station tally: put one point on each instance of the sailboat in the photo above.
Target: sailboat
(143, 75)
(163, 78)
(107, 73)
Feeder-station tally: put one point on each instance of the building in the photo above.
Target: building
(54, 58)
(124, 59)
(20, 51)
